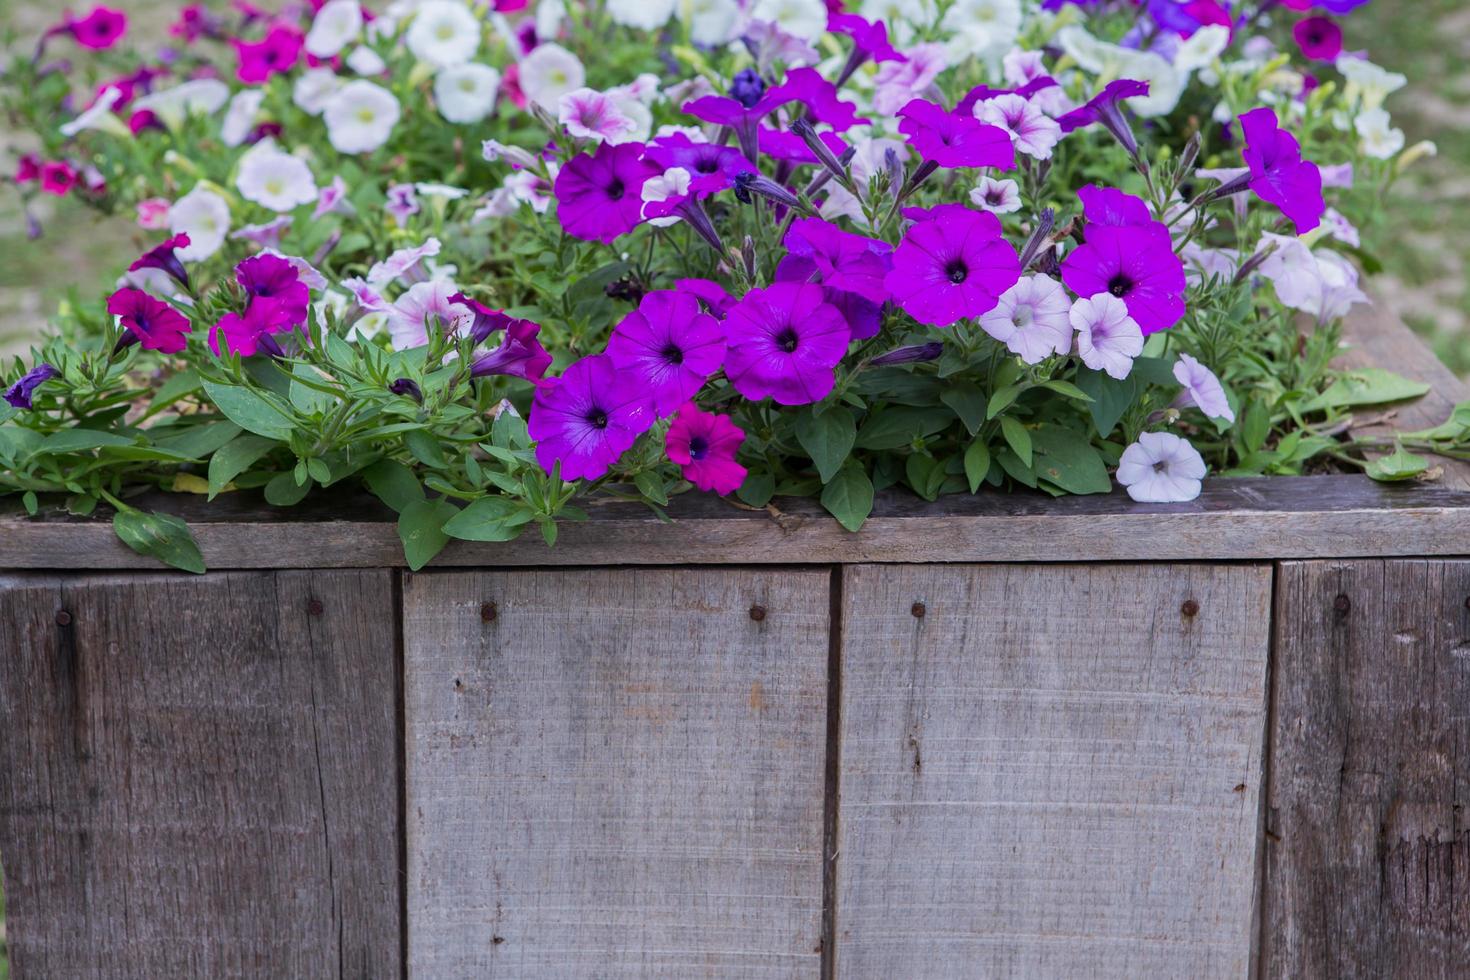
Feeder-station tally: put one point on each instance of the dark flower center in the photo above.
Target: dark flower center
(615, 190)
(957, 271)
(698, 446)
(787, 339)
(672, 354)
(706, 165)
(1162, 466)
(1120, 285)
(597, 418)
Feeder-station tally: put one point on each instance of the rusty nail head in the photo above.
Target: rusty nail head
(63, 618)
(1190, 607)
(917, 610)
(488, 612)
(758, 612)
(1342, 603)
(314, 607)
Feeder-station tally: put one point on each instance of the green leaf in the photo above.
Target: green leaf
(827, 438)
(1067, 459)
(508, 431)
(977, 463)
(894, 428)
(306, 399)
(1067, 390)
(1397, 465)
(968, 402)
(421, 529)
(1002, 400)
(1368, 386)
(284, 491)
(159, 536)
(489, 519)
(1154, 370)
(234, 459)
(1255, 426)
(250, 411)
(925, 475)
(319, 470)
(651, 485)
(425, 448)
(173, 388)
(757, 490)
(1111, 398)
(849, 497)
(196, 441)
(1017, 438)
(80, 440)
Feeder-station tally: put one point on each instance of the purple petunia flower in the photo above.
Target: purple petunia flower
(407, 388)
(20, 394)
(1104, 108)
(864, 317)
(1110, 206)
(587, 418)
(161, 256)
(600, 196)
(704, 445)
(520, 354)
(952, 265)
(711, 295)
(669, 347)
(486, 320)
(273, 278)
(819, 97)
(712, 167)
(1278, 174)
(1130, 256)
(249, 333)
(950, 140)
(1319, 38)
(148, 321)
(844, 261)
(913, 354)
(788, 146)
(784, 341)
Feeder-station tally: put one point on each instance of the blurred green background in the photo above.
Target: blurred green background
(1425, 254)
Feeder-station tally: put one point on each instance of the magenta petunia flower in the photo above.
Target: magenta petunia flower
(249, 333)
(271, 277)
(952, 266)
(980, 93)
(486, 320)
(819, 98)
(161, 256)
(275, 53)
(951, 140)
(784, 341)
(1278, 174)
(1319, 38)
(1104, 108)
(59, 177)
(845, 261)
(711, 295)
(22, 393)
(712, 167)
(864, 317)
(786, 146)
(587, 418)
(149, 321)
(1133, 261)
(669, 347)
(869, 38)
(100, 29)
(520, 354)
(600, 197)
(704, 445)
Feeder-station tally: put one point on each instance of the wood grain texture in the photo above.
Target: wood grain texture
(1054, 772)
(1276, 517)
(1378, 338)
(615, 773)
(198, 776)
(1367, 868)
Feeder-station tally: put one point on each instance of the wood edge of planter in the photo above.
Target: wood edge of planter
(1336, 516)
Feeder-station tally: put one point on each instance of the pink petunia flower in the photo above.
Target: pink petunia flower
(586, 419)
(1202, 389)
(100, 29)
(669, 347)
(427, 304)
(1032, 319)
(153, 213)
(599, 196)
(784, 342)
(953, 266)
(58, 177)
(1161, 468)
(705, 445)
(1319, 38)
(149, 321)
(898, 83)
(1108, 339)
(275, 53)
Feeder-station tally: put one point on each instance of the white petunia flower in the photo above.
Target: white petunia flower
(337, 25)
(466, 93)
(645, 15)
(1032, 319)
(984, 29)
(1202, 47)
(205, 217)
(1033, 132)
(360, 117)
(1202, 389)
(240, 117)
(673, 182)
(1376, 134)
(804, 19)
(1161, 468)
(1367, 84)
(711, 22)
(997, 196)
(549, 72)
(596, 116)
(198, 97)
(443, 33)
(516, 156)
(365, 61)
(1108, 339)
(314, 88)
(99, 116)
(549, 17)
(1323, 284)
(275, 179)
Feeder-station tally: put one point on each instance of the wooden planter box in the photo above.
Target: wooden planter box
(990, 736)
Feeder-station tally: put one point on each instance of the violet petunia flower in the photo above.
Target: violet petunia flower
(864, 317)
(1108, 339)
(844, 261)
(705, 445)
(789, 147)
(1110, 206)
(712, 167)
(869, 41)
(913, 354)
(983, 93)
(1129, 256)
(711, 295)
(1319, 38)
(161, 256)
(1033, 131)
(148, 321)
(402, 203)
(486, 321)
(1104, 108)
(266, 235)
(22, 393)
(519, 355)
(952, 265)
(600, 196)
(407, 388)
(1278, 174)
(587, 418)
(784, 342)
(948, 139)
(819, 97)
(669, 347)
(1032, 319)
(274, 278)
(1202, 389)
(277, 52)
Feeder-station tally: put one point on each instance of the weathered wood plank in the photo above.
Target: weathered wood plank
(615, 773)
(1366, 848)
(1378, 338)
(1278, 517)
(1053, 771)
(198, 776)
